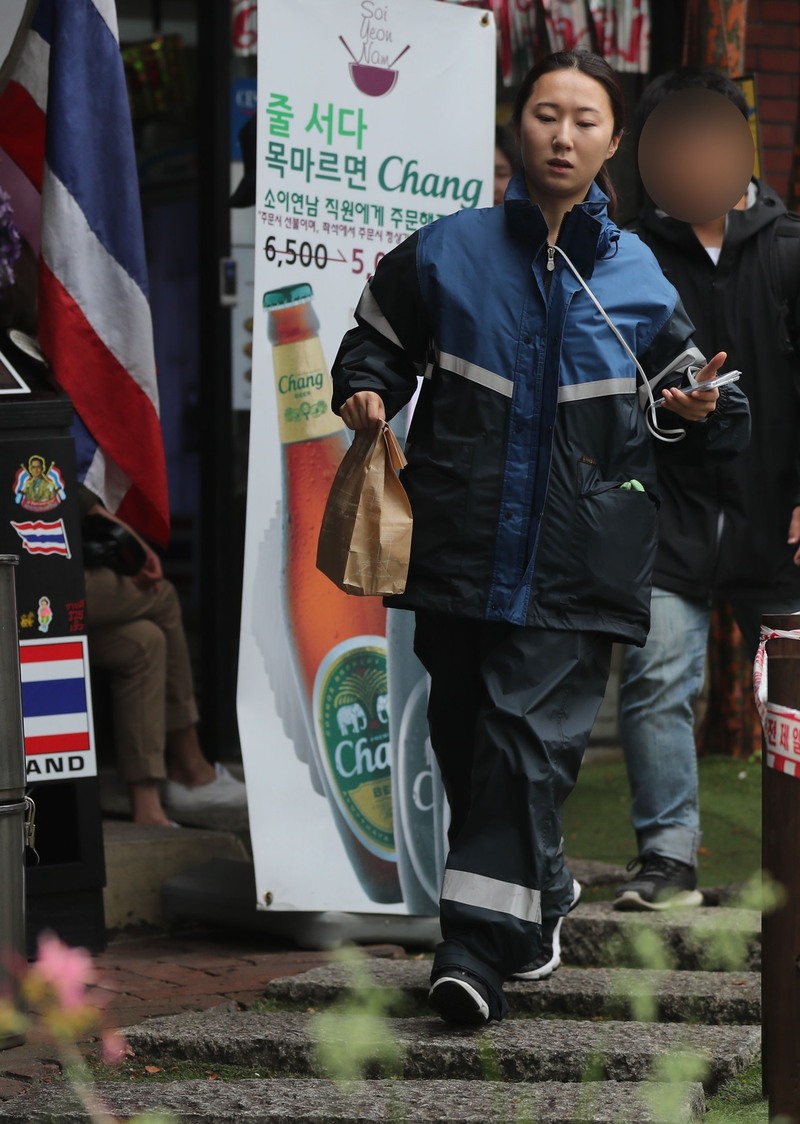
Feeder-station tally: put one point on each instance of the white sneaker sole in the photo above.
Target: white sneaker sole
(632, 900)
(545, 970)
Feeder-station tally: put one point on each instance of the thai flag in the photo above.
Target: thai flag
(55, 474)
(65, 123)
(55, 705)
(39, 537)
(20, 480)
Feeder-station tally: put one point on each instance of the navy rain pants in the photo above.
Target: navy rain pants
(510, 713)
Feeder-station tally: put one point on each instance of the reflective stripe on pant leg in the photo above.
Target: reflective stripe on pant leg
(491, 893)
(542, 693)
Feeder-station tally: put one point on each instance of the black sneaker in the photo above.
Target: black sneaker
(460, 998)
(661, 883)
(550, 957)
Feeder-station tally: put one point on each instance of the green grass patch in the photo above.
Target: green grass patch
(597, 821)
(740, 1100)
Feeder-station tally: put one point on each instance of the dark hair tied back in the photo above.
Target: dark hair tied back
(594, 66)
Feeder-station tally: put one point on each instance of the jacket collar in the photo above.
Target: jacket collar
(586, 234)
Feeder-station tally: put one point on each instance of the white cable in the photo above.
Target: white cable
(669, 435)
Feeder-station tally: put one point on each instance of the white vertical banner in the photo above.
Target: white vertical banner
(374, 118)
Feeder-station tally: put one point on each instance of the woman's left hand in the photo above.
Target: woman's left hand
(151, 574)
(695, 407)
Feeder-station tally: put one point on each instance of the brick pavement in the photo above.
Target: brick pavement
(145, 975)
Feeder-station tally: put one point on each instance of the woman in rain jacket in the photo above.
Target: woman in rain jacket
(543, 333)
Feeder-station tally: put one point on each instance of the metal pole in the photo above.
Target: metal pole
(780, 846)
(221, 551)
(12, 796)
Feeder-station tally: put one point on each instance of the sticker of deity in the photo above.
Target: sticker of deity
(44, 614)
(37, 489)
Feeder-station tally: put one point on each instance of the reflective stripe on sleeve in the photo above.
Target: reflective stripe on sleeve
(490, 893)
(369, 309)
(690, 360)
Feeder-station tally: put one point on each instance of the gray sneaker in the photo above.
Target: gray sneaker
(661, 883)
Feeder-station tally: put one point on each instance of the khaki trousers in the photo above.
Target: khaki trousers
(138, 637)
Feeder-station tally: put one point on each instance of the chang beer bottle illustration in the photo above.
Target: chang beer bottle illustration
(420, 807)
(338, 641)
(416, 785)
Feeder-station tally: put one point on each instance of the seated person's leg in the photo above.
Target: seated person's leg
(154, 692)
(135, 656)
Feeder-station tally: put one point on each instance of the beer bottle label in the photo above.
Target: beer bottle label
(303, 388)
(351, 711)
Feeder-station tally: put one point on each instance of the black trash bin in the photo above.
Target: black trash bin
(40, 522)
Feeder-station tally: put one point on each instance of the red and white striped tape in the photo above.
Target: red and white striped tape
(781, 724)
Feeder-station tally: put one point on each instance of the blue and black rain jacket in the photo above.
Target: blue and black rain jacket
(531, 413)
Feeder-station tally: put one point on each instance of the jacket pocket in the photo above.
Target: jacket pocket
(613, 545)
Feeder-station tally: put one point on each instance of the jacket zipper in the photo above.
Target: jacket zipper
(551, 253)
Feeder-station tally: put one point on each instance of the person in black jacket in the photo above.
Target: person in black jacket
(727, 530)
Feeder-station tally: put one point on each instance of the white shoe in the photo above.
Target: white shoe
(224, 793)
(226, 777)
(550, 957)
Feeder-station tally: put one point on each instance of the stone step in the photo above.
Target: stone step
(584, 993)
(512, 1050)
(294, 1101)
(711, 937)
(140, 859)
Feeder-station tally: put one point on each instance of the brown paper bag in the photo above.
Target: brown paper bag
(365, 538)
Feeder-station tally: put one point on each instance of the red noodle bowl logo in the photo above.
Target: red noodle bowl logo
(373, 61)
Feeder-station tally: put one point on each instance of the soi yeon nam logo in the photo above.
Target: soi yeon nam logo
(352, 715)
(372, 71)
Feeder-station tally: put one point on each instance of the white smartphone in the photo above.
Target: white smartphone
(710, 384)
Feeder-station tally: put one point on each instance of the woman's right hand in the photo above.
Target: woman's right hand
(363, 410)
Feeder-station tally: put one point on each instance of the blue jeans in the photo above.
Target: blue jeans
(660, 684)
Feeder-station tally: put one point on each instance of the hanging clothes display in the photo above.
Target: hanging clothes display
(568, 25)
(519, 43)
(622, 33)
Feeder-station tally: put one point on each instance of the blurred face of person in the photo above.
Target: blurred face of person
(696, 155)
(502, 174)
(566, 133)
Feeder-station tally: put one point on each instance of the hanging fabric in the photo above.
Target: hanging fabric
(568, 25)
(715, 33)
(522, 37)
(622, 33)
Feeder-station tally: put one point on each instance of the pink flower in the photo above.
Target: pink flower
(66, 971)
(115, 1048)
